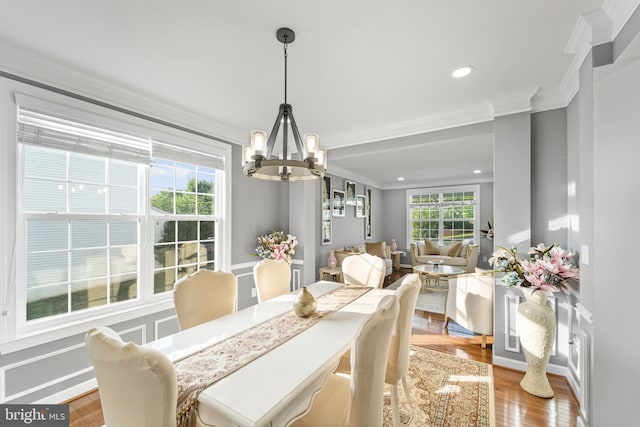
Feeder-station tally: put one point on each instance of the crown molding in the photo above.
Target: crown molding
(619, 11)
(448, 182)
(468, 116)
(514, 102)
(551, 98)
(23, 64)
(346, 174)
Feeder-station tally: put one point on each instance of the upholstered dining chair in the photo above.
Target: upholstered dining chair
(272, 278)
(137, 385)
(357, 401)
(364, 270)
(204, 295)
(399, 348)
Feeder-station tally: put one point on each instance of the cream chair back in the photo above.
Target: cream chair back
(359, 400)
(204, 295)
(364, 270)
(272, 278)
(399, 349)
(137, 385)
(368, 361)
(398, 360)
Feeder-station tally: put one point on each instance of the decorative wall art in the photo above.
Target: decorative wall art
(367, 211)
(326, 210)
(360, 201)
(350, 189)
(338, 203)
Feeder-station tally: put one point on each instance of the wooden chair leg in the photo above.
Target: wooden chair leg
(484, 341)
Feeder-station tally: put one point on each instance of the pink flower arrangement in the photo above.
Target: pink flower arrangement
(276, 245)
(548, 269)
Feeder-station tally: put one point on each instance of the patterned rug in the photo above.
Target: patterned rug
(446, 391)
(431, 300)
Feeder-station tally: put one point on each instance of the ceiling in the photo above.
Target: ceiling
(359, 71)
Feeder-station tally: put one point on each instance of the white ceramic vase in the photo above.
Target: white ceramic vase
(537, 329)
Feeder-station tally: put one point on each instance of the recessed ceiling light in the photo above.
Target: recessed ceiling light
(477, 171)
(401, 178)
(462, 71)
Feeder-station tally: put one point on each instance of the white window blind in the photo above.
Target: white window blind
(37, 125)
(183, 155)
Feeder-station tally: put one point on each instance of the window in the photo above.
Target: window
(81, 219)
(443, 215)
(108, 216)
(182, 204)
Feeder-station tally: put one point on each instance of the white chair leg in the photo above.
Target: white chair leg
(395, 410)
(406, 390)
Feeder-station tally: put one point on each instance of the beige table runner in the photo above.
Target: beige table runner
(199, 370)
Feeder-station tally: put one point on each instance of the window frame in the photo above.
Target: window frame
(475, 188)
(14, 333)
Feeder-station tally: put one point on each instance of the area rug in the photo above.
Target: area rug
(431, 300)
(446, 391)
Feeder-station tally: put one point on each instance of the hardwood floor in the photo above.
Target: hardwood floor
(514, 406)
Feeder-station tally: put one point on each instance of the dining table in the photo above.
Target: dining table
(280, 384)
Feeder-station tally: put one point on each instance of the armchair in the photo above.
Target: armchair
(470, 303)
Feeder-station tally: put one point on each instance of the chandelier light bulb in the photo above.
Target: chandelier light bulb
(247, 153)
(321, 155)
(311, 144)
(258, 141)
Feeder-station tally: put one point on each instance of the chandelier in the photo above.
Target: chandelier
(307, 162)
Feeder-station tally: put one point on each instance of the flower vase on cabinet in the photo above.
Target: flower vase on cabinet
(537, 330)
(394, 245)
(332, 262)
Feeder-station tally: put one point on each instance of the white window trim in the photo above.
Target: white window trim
(452, 189)
(10, 248)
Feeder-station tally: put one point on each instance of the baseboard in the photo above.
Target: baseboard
(69, 393)
(575, 386)
(522, 366)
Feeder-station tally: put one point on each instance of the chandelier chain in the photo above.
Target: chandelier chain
(285, 70)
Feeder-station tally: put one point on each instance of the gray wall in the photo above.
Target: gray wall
(257, 207)
(349, 230)
(573, 171)
(584, 186)
(486, 215)
(549, 221)
(512, 210)
(616, 101)
(395, 221)
(512, 180)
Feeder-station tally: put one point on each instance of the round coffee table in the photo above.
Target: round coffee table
(431, 274)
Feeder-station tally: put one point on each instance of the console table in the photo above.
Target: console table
(334, 273)
(395, 256)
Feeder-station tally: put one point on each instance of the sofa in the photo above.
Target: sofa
(380, 249)
(456, 254)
